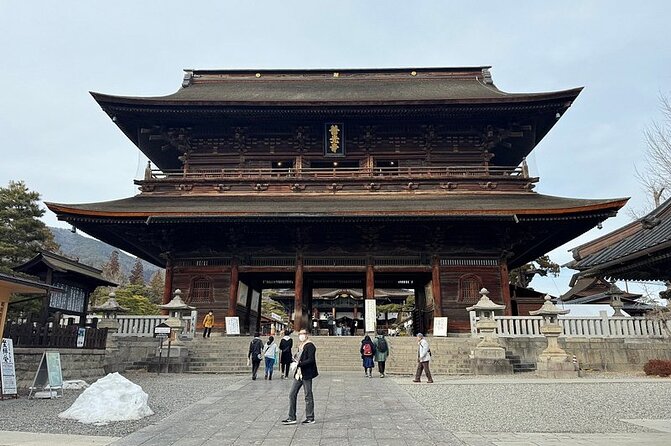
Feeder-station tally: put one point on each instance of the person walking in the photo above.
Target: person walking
(381, 352)
(208, 323)
(423, 359)
(269, 352)
(255, 353)
(286, 358)
(367, 351)
(306, 371)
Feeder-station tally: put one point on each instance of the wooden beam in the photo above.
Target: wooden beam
(505, 289)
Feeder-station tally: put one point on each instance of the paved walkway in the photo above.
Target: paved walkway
(349, 409)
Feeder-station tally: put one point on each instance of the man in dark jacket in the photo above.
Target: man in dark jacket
(306, 371)
(255, 349)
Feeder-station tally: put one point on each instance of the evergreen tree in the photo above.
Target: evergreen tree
(21, 231)
(157, 285)
(112, 269)
(137, 299)
(543, 265)
(137, 273)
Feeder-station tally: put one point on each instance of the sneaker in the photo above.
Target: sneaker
(381, 375)
(430, 381)
(308, 421)
(416, 381)
(289, 421)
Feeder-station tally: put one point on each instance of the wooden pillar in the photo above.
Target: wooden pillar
(167, 288)
(435, 288)
(5, 294)
(258, 311)
(248, 310)
(233, 293)
(505, 290)
(370, 281)
(298, 295)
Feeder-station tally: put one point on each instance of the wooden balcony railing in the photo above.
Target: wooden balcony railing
(341, 173)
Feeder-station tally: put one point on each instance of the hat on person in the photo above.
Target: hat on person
(420, 335)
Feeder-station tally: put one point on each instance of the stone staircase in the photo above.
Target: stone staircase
(518, 365)
(220, 354)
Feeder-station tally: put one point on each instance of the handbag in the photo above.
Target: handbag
(293, 368)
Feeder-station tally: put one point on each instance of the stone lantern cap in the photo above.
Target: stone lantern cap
(485, 304)
(110, 306)
(176, 303)
(548, 309)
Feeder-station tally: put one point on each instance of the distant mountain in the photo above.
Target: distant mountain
(96, 253)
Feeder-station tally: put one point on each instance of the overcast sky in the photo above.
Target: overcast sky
(55, 137)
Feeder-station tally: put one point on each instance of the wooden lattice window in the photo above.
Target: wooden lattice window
(201, 290)
(469, 288)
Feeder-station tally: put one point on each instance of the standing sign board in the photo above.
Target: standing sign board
(232, 325)
(49, 373)
(81, 335)
(371, 315)
(440, 326)
(7, 370)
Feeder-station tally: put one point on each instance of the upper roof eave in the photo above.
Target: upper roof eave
(470, 205)
(169, 101)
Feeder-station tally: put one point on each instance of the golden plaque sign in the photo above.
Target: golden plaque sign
(334, 139)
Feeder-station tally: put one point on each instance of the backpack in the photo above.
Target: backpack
(367, 349)
(382, 345)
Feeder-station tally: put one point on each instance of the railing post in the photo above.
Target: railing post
(605, 324)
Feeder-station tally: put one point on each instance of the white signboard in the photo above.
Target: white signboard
(81, 335)
(7, 371)
(371, 315)
(242, 294)
(255, 301)
(232, 325)
(440, 326)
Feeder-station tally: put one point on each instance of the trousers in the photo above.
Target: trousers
(309, 399)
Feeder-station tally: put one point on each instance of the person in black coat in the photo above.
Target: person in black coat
(255, 353)
(306, 371)
(286, 358)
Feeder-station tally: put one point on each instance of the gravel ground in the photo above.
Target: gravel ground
(514, 404)
(168, 393)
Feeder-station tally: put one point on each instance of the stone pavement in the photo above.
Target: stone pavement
(349, 409)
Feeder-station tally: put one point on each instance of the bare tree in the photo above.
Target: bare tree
(655, 176)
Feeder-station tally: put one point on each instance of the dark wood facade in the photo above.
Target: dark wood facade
(354, 178)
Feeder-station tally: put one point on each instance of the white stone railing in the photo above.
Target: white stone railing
(585, 326)
(143, 326)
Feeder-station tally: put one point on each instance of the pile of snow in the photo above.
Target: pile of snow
(75, 384)
(112, 398)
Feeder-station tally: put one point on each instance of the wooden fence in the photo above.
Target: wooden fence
(36, 336)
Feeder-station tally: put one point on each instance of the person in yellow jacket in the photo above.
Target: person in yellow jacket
(208, 323)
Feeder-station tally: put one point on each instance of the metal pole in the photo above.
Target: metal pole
(160, 353)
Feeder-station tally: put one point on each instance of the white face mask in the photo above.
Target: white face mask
(302, 337)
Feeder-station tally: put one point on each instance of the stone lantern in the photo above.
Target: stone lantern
(176, 307)
(553, 362)
(485, 309)
(110, 309)
(489, 357)
(615, 299)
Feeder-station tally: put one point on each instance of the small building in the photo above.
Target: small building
(640, 250)
(597, 290)
(11, 285)
(75, 282)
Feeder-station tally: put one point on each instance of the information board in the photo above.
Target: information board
(440, 326)
(7, 370)
(48, 372)
(232, 325)
(371, 315)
